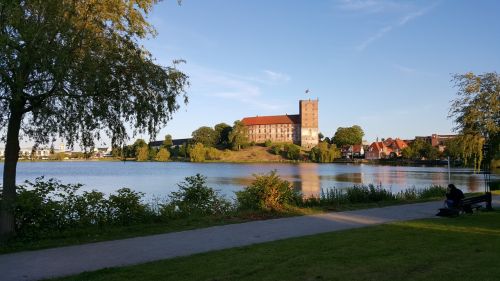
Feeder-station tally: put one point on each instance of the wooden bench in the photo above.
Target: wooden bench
(470, 203)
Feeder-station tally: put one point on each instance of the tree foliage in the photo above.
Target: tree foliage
(348, 136)
(238, 136)
(197, 153)
(167, 143)
(75, 69)
(476, 110)
(468, 148)
(205, 135)
(222, 131)
(324, 153)
(162, 155)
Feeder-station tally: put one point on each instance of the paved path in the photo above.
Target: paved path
(63, 261)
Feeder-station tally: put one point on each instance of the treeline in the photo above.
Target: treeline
(206, 143)
(211, 144)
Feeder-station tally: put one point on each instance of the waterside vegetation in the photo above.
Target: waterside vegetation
(49, 213)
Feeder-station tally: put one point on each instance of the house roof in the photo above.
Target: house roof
(269, 120)
(379, 146)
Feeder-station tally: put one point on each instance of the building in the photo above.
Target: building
(301, 129)
(176, 142)
(389, 148)
(353, 151)
(436, 140)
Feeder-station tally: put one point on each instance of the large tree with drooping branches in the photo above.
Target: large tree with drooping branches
(75, 69)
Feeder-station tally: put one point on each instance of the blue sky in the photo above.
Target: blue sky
(385, 65)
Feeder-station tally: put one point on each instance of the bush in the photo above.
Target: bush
(162, 155)
(268, 143)
(197, 153)
(213, 153)
(125, 206)
(45, 206)
(276, 149)
(194, 197)
(269, 193)
(292, 151)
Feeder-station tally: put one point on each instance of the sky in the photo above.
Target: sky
(381, 64)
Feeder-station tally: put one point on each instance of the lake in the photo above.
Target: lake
(161, 178)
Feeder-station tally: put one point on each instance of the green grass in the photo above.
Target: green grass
(463, 248)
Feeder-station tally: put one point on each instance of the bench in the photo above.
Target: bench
(470, 203)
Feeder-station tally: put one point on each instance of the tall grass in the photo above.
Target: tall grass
(371, 194)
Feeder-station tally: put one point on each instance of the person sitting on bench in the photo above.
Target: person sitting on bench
(453, 196)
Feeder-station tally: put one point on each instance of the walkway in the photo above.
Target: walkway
(70, 260)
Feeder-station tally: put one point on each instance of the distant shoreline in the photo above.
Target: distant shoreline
(388, 162)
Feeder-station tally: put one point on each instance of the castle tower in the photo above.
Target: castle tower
(308, 123)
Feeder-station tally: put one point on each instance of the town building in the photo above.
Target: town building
(301, 129)
(389, 148)
(436, 140)
(352, 151)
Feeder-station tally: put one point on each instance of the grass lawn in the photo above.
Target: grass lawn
(463, 248)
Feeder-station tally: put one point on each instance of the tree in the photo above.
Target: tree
(467, 147)
(320, 136)
(407, 153)
(142, 153)
(75, 69)
(222, 131)
(476, 110)
(324, 153)
(197, 153)
(348, 136)
(163, 155)
(205, 135)
(167, 143)
(238, 136)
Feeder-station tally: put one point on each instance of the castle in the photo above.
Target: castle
(301, 129)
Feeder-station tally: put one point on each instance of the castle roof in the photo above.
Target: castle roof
(269, 120)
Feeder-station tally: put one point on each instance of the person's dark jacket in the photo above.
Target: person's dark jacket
(456, 195)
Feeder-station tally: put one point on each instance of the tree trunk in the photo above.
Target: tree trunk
(7, 205)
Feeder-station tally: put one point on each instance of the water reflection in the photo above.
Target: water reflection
(162, 178)
(309, 180)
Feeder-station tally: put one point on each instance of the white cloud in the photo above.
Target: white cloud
(370, 6)
(402, 21)
(404, 69)
(217, 84)
(276, 76)
(380, 33)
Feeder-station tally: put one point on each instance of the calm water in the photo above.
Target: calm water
(160, 179)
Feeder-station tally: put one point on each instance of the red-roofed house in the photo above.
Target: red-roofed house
(378, 150)
(301, 129)
(390, 148)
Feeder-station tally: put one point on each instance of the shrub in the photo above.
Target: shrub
(195, 197)
(268, 143)
(292, 151)
(268, 192)
(197, 153)
(45, 206)
(162, 155)
(276, 149)
(213, 153)
(126, 207)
